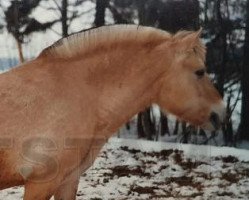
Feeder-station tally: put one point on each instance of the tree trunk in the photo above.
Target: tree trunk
(140, 130)
(141, 11)
(128, 126)
(185, 133)
(164, 124)
(148, 124)
(20, 51)
(176, 128)
(64, 18)
(227, 127)
(222, 35)
(101, 6)
(245, 84)
(148, 12)
(119, 18)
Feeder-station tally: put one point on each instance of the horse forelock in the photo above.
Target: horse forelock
(81, 42)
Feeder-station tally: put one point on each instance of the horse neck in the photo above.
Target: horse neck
(126, 81)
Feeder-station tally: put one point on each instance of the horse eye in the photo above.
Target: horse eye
(200, 73)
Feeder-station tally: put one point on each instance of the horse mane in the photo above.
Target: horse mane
(104, 36)
(112, 36)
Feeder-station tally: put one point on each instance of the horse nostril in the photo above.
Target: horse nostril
(215, 120)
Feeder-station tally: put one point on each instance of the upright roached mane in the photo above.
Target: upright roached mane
(113, 36)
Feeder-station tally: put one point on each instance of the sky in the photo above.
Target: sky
(38, 41)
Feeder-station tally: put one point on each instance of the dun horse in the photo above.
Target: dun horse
(58, 107)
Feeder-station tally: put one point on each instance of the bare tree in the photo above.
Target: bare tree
(222, 41)
(20, 24)
(245, 83)
(101, 6)
(64, 17)
(67, 11)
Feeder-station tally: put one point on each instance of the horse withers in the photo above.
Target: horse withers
(59, 108)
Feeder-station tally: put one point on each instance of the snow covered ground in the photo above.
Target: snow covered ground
(135, 169)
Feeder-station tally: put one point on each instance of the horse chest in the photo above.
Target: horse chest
(8, 176)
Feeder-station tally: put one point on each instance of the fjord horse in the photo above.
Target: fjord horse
(59, 108)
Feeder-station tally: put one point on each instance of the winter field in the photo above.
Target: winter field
(136, 169)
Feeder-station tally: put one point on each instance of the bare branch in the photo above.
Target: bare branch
(76, 15)
(56, 32)
(57, 5)
(235, 103)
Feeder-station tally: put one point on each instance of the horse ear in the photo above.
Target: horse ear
(191, 40)
(198, 33)
(182, 41)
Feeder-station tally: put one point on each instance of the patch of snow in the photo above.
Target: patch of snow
(132, 169)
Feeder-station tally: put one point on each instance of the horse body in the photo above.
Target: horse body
(58, 110)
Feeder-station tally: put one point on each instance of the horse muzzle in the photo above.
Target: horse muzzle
(217, 116)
